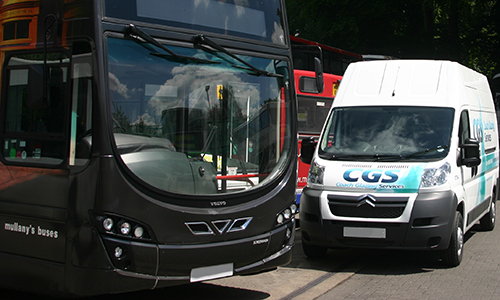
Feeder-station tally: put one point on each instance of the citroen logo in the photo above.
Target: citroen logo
(366, 199)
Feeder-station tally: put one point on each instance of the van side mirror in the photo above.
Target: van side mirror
(318, 69)
(470, 156)
(307, 150)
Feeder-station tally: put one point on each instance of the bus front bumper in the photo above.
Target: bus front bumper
(168, 265)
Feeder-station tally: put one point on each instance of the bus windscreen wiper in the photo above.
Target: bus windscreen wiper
(203, 40)
(135, 32)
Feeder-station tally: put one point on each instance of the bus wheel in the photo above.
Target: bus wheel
(488, 220)
(453, 255)
(312, 251)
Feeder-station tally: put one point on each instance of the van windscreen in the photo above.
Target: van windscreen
(387, 133)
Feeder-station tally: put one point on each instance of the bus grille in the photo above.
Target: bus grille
(367, 206)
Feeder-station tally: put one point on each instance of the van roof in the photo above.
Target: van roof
(409, 82)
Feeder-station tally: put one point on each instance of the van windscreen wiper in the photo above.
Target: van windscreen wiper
(362, 157)
(438, 148)
(203, 40)
(135, 32)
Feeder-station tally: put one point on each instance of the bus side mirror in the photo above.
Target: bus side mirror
(470, 156)
(35, 87)
(318, 68)
(307, 150)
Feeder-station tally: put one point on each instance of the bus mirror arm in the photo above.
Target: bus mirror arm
(307, 150)
(318, 68)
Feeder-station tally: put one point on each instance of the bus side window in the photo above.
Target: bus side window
(81, 105)
(33, 117)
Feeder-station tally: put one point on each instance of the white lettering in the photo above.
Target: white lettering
(258, 242)
(31, 230)
(302, 179)
(47, 233)
(391, 186)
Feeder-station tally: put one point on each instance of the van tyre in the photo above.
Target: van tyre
(453, 255)
(488, 220)
(312, 251)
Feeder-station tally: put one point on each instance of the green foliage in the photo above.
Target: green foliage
(460, 30)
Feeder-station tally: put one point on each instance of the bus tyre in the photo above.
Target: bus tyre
(488, 220)
(453, 255)
(312, 251)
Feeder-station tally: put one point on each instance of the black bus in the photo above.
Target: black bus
(146, 143)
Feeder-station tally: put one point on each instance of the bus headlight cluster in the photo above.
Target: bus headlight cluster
(123, 227)
(286, 214)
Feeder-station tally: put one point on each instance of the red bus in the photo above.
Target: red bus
(318, 70)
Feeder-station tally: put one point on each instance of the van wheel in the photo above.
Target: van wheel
(488, 220)
(453, 255)
(312, 251)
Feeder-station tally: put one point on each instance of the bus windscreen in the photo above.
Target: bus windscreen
(222, 17)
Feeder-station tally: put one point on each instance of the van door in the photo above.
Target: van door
(470, 180)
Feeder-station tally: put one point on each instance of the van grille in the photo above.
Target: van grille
(367, 206)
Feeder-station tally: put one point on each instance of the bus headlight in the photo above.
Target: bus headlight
(286, 214)
(125, 228)
(138, 232)
(436, 176)
(107, 224)
(280, 219)
(120, 226)
(316, 173)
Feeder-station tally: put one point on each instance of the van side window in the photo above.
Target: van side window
(464, 127)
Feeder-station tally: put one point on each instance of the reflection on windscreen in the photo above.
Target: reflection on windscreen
(195, 128)
(374, 132)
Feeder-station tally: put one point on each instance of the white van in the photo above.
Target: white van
(407, 159)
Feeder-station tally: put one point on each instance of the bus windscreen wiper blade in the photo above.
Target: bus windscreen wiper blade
(134, 32)
(201, 39)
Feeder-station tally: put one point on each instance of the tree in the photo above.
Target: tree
(460, 30)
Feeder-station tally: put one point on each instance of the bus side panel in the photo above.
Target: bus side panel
(29, 228)
(30, 237)
(44, 276)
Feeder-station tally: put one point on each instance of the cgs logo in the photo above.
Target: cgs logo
(477, 130)
(371, 175)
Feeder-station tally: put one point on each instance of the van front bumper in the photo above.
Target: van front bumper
(429, 226)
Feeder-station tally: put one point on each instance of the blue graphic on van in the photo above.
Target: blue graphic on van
(372, 175)
(403, 180)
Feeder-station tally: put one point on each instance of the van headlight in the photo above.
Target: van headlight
(436, 176)
(316, 173)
